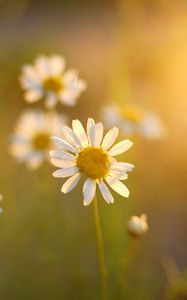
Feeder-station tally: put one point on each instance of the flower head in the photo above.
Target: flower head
(132, 119)
(31, 140)
(137, 226)
(92, 155)
(46, 79)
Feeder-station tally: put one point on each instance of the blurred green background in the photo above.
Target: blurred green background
(130, 51)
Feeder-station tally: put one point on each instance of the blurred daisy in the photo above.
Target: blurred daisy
(1, 199)
(31, 140)
(137, 226)
(47, 79)
(132, 119)
(91, 155)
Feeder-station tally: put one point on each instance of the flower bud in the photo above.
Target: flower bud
(137, 226)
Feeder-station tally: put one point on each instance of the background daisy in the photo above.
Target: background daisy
(132, 119)
(32, 137)
(47, 79)
(92, 155)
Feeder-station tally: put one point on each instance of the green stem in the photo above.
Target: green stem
(126, 260)
(101, 255)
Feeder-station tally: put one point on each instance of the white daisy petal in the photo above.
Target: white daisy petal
(70, 76)
(122, 166)
(35, 161)
(51, 100)
(80, 132)
(65, 145)
(69, 185)
(80, 85)
(72, 81)
(91, 131)
(42, 66)
(59, 154)
(70, 136)
(29, 71)
(57, 64)
(32, 96)
(98, 134)
(120, 147)
(29, 78)
(68, 97)
(89, 190)
(119, 175)
(105, 192)
(110, 138)
(61, 173)
(59, 163)
(118, 186)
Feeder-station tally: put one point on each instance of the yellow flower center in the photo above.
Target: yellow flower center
(132, 113)
(93, 162)
(41, 141)
(53, 84)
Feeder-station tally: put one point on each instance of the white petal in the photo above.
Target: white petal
(98, 134)
(62, 163)
(117, 174)
(50, 100)
(110, 138)
(29, 72)
(42, 66)
(35, 161)
(65, 172)
(57, 64)
(80, 132)
(70, 136)
(29, 78)
(73, 83)
(105, 192)
(120, 147)
(70, 76)
(122, 166)
(59, 154)
(80, 85)
(69, 185)
(33, 96)
(91, 131)
(89, 190)
(118, 186)
(68, 98)
(65, 145)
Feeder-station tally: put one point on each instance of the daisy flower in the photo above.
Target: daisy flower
(92, 155)
(31, 140)
(137, 226)
(47, 79)
(132, 119)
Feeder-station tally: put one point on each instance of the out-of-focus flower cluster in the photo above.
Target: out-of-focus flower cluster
(45, 80)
